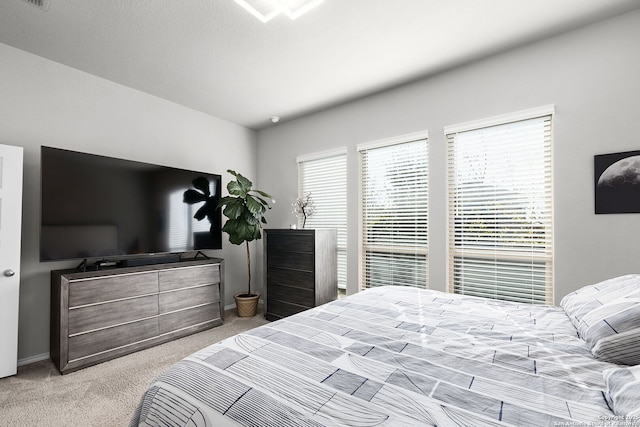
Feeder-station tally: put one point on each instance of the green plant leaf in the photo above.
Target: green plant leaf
(264, 202)
(254, 205)
(230, 226)
(236, 189)
(234, 208)
(236, 239)
(250, 218)
(240, 231)
(263, 194)
(244, 182)
(224, 200)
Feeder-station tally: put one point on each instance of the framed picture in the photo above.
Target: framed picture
(617, 182)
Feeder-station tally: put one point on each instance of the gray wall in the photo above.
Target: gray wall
(592, 77)
(45, 103)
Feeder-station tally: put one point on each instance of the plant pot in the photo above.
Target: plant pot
(247, 304)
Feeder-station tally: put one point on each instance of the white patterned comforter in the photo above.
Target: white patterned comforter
(390, 356)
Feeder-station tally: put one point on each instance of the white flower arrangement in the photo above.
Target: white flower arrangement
(304, 206)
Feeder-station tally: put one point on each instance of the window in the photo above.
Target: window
(394, 211)
(500, 207)
(324, 176)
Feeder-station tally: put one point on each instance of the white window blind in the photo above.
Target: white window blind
(324, 176)
(394, 208)
(500, 211)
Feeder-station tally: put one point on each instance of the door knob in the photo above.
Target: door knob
(9, 273)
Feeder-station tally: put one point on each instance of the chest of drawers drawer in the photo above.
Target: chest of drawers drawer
(303, 261)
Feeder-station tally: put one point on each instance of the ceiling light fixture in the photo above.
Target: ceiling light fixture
(265, 10)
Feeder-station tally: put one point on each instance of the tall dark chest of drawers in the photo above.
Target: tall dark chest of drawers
(301, 270)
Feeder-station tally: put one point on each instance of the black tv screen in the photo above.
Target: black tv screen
(102, 207)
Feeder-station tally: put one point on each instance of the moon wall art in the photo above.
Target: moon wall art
(617, 182)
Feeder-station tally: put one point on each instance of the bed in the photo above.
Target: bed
(400, 356)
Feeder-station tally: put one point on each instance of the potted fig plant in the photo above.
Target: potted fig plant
(245, 208)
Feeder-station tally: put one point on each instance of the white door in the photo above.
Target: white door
(10, 235)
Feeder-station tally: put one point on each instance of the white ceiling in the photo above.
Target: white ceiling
(213, 56)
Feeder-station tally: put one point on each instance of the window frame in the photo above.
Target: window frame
(548, 257)
(362, 245)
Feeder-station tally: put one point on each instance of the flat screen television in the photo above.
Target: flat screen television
(97, 207)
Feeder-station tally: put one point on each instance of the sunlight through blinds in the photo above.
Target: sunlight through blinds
(394, 207)
(324, 176)
(182, 225)
(500, 214)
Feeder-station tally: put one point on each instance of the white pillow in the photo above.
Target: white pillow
(580, 302)
(607, 317)
(623, 390)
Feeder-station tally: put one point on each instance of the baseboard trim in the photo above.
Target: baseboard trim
(33, 359)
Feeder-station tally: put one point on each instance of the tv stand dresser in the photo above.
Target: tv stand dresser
(100, 315)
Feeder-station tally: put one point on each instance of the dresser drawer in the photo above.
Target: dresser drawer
(305, 297)
(286, 277)
(293, 260)
(294, 241)
(109, 288)
(185, 298)
(177, 278)
(97, 316)
(191, 317)
(111, 338)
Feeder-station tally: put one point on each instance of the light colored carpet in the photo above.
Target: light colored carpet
(105, 394)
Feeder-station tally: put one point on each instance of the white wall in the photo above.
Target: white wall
(45, 103)
(592, 77)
